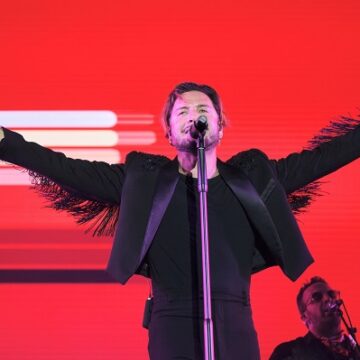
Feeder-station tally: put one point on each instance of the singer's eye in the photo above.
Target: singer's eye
(317, 296)
(203, 110)
(333, 294)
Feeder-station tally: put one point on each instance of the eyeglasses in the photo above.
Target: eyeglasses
(317, 296)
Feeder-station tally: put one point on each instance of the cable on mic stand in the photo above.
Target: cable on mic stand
(349, 326)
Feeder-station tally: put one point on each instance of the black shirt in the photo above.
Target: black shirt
(309, 347)
(175, 254)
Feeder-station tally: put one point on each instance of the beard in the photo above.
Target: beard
(329, 324)
(189, 144)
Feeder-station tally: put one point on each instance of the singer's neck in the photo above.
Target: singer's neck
(329, 329)
(188, 162)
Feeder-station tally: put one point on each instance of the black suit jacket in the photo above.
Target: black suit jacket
(141, 190)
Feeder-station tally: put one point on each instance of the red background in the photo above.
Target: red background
(283, 68)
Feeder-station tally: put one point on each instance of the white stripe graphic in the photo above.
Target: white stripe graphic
(58, 119)
(14, 177)
(91, 138)
(71, 137)
(79, 134)
(110, 156)
(135, 119)
(136, 137)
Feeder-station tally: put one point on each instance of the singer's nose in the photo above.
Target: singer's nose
(192, 116)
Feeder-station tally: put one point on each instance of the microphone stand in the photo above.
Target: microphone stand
(202, 189)
(349, 327)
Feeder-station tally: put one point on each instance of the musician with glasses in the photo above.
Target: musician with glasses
(318, 305)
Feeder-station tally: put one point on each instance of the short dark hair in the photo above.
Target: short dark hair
(299, 298)
(191, 86)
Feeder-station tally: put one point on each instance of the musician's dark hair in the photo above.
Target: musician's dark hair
(299, 298)
(192, 86)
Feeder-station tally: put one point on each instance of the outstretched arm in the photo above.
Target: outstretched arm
(299, 169)
(92, 180)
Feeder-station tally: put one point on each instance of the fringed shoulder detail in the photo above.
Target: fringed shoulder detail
(100, 216)
(300, 199)
(336, 128)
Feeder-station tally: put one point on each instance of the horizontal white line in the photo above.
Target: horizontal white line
(58, 118)
(14, 177)
(135, 119)
(76, 138)
(111, 156)
(136, 137)
(89, 138)
(145, 116)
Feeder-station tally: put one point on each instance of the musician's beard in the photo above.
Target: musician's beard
(329, 325)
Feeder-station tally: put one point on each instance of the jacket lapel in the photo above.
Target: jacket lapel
(242, 188)
(253, 205)
(167, 179)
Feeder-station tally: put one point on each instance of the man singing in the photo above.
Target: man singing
(319, 310)
(151, 204)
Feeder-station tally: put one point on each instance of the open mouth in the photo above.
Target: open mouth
(187, 129)
(330, 312)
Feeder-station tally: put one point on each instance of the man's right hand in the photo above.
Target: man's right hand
(1, 133)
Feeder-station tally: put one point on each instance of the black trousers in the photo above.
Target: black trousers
(176, 331)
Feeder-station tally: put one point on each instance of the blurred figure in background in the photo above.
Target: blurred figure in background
(318, 305)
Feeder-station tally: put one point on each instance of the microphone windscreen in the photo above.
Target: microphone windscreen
(201, 124)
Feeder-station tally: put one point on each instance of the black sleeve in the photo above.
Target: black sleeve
(299, 169)
(92, 180)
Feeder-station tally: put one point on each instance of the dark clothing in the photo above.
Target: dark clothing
(136, 197)
(311, 348)
(175, 257)
(260, 185)
(176, 331)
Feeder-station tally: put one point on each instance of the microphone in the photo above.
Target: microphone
(198, 127)
(335, 305)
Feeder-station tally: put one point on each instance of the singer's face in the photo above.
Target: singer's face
(187, 108)
(319, 316)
